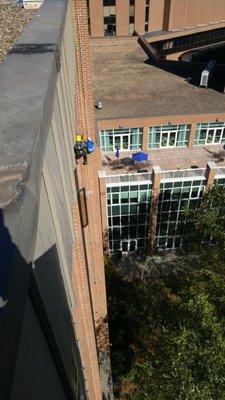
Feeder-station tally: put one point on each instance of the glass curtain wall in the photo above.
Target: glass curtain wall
(128, 217)
(174, 199)
(210, 133)
(168, 136)
(123, 139)
(109, 7)
(186, 42)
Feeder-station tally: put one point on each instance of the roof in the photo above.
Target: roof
(129, 86)
(13, 20)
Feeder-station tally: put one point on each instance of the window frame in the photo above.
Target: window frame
(112, 134)
(208, 127)
(168, 129)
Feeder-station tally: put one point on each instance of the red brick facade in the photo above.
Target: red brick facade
(163, 15)
(88, 271)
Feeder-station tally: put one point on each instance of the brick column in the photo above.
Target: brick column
(192, 134)
(139, 21)
(157, 15)
(156, 177)
(166, 14)
(96, 18)
(122, 18)
(92, 262)
(145, 138)
(210, 174)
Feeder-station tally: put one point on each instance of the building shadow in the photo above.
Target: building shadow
(39, 352)
(218, 156)
(191, 73)
(14, 282)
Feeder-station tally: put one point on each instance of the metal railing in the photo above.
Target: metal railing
(195, 173)
(144, 177)
(220, 173)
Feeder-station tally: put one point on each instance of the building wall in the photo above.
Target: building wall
(156, 15)
(190, 13)
(145, 123)
(146, 211)
(56, 286)
(70, 313)
(164, 14)
(89, 250)
(35, 368)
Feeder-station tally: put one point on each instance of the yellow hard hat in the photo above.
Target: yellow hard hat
(78, 138)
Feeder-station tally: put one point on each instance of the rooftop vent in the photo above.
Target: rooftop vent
(207, 74)
(98, 105)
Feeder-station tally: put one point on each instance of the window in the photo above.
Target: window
(129, 227)
(174, 199)
(189, 41)
(210, 133)
(109, 17)
(123, 139)
(131, 16)
(168, 136)
(89, 21)
(146, 15)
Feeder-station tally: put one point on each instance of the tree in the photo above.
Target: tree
(168, 330)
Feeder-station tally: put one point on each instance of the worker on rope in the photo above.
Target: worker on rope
(80, 149)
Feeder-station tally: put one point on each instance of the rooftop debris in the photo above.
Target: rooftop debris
(13, 20)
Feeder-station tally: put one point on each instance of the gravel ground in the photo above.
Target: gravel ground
(13, 20)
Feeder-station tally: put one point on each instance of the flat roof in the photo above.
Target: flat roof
(130, 86)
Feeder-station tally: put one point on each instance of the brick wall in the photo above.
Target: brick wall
(88, 251)
(191, 13)
(164, 14)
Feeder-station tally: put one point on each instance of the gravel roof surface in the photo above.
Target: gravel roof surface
(129, 86)
(13, 20)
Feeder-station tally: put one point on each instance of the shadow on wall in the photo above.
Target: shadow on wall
(39, 353)
(14, 280)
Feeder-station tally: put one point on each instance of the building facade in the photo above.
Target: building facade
(127, 17)
(155, 105)
(146, 210)
(52, 284)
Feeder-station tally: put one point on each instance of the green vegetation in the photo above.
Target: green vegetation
(168, 330)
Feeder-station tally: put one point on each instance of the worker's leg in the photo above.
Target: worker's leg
(85, 157)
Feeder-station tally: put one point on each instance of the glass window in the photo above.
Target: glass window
(125, 209)
(180, 196)
(124, 197)
(209, 133)
(168, 136)
(133, 197)
(130, 217)
(123, 138)
(116, 221)
(124, 232)
(124, 247)
(190, 41)
(115, 210)
(115, 198)
(109, 17)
